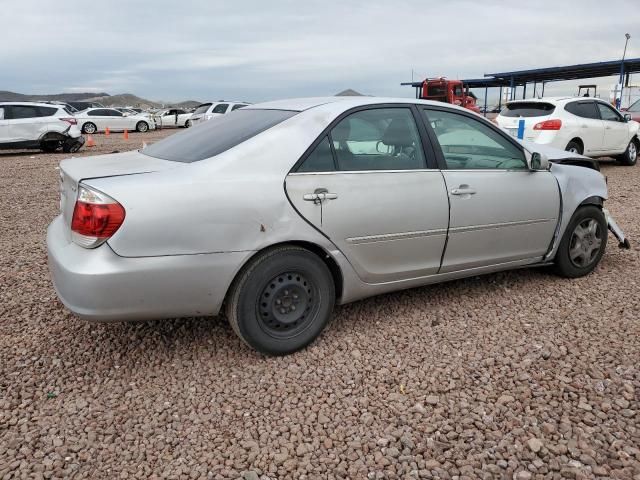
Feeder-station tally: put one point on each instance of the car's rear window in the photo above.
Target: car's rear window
(528, 109)
(202, 108)
(216, 136)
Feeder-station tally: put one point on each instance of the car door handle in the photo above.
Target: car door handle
(319, 195)
(463, 191)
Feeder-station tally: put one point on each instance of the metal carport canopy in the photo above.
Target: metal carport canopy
(569, 72)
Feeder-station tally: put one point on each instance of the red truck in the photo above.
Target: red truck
(447, 91)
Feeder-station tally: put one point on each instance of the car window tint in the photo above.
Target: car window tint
(113, 113)
(608, 113)
(468, 143)
(96, 113)
(378, 139)
(213, 138)
(220, 108)
(527, 109)
(635, 106)
(320, 159)
(1, 113)
(237, 106)
(46, 111)
(17, 112)
(583, 109)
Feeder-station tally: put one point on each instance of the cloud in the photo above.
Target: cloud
(258, 50)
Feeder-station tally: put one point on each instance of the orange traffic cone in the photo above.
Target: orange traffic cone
(90, 142)
(107, 131)
(126, 135)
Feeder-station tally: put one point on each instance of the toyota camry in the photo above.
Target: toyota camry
(276, 212)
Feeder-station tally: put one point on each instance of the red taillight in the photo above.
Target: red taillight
(548, 125)
(70, 121)
(96, 217)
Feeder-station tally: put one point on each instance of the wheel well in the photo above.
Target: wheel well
(578, 141)
(52, 136)
(320, 252)
(595, 200)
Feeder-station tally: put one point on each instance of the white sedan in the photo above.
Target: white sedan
(94, 120)
(173, 117)
(588, 126)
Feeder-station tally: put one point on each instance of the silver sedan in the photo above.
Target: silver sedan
(280, 210)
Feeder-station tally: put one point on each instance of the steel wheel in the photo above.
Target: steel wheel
(287, 304)
(585, 243)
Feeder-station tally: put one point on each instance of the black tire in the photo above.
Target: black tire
(89, 128)
(187, 124)
(281, 301)
(590, 247)
(630, 155)
(142, 127)
(574, 146)
(50, 145)
(71, 147)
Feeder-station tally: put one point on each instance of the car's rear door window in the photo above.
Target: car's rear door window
(320, 159)
(584, 109)
(378, 139)
(17, 112)
(470, 144)
(202, 108)
(528, 109)
(215, 137)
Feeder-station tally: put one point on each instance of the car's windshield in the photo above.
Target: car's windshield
(202, 108)
(217, 136)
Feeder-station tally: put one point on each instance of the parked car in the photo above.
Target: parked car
(173, 117)
(207, 111)
(634, 110)
(95, 120)
(583, 125)
(347, 197)
(79, 106)
(42, 126)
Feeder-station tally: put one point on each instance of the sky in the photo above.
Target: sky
(256, 50)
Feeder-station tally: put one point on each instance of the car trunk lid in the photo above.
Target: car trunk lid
(75, 170)
(528, 111)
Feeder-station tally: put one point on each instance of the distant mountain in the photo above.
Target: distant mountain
(349, 92)
(121, 100)
(6, 96)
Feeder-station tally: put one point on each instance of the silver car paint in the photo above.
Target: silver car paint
(193, 226)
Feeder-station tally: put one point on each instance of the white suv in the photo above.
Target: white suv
(43, 126)
(207, 111)
(588, 126)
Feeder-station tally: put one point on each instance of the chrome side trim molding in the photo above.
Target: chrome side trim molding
(473, 228)
(385, 237)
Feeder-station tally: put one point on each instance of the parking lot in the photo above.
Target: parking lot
(512, 375)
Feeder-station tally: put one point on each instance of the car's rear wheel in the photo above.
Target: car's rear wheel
(574, 147)
(630, 156)
(142, 126)
(89, 128)
(50, 145)
(583, 243)
(187, 124)
(282, 300)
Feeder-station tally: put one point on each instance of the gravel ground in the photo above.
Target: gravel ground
(513, 375)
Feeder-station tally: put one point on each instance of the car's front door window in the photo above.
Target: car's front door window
(608, 113)
(469, 144)
(378, 139)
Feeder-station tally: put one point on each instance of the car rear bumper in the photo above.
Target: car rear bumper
(99, 285)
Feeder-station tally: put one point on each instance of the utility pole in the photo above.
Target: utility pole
(624, 52)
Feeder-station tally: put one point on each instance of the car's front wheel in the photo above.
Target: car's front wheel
(282, 300)
(630, 155)
(583, 243)
(89, 128)
(187, 124)
(142, 127)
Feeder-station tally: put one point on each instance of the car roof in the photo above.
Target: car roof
(557, 100)
(34, 104)
(301, 104)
